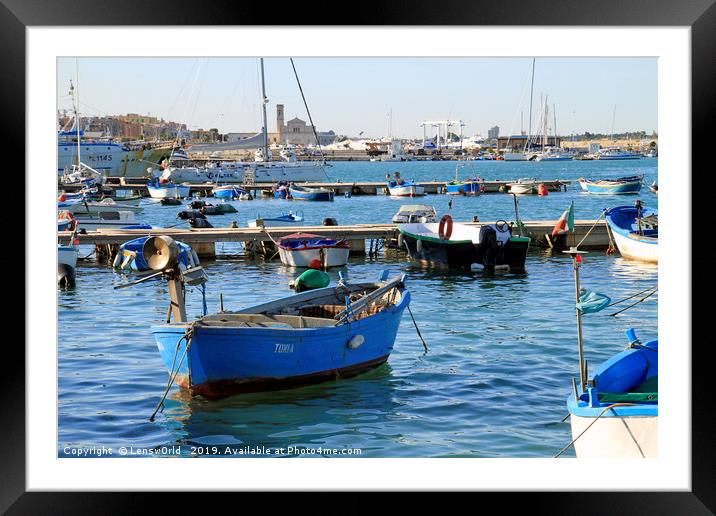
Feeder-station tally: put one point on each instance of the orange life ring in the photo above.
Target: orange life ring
(443, 231)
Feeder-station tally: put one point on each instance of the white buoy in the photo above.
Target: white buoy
(356, 341)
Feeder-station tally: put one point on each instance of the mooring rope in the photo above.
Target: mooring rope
(590, 229)
(188, 336)
(634, 304)
(653, 287)
(417, 329)
(608, 407)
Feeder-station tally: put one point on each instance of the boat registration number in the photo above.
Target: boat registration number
(284, 348)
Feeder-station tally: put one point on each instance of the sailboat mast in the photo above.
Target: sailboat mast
(77, 109)
(614, 114)
(554, 114)
(529, 121)
(264, 101)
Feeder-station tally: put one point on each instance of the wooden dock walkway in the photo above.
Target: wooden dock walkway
(339, 188)
(204, 240)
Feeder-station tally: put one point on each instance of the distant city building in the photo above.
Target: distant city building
(493, 133)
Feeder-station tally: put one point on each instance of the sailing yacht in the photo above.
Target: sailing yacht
(261, 170)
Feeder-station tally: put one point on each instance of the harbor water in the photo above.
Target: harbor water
(502, 347)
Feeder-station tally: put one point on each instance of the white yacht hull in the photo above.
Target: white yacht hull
(239, 172)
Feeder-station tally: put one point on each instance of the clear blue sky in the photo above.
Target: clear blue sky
(350, 95)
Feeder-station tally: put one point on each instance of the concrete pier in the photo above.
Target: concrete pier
(339, 188)
(204, 240)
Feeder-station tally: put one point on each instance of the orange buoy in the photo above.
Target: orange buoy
(315, 264)
(62, 198)
(445, 228)
(542, 189)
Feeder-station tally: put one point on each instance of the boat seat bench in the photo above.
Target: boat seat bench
(261, 320)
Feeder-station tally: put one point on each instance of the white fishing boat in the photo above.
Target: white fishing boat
(300, 249)
(106, 219)
(399, 187)
(524, 186)
(415, 213)
(163, 189)
(80, 206)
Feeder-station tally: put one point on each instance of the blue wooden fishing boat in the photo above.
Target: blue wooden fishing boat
(283, 220)
(315, 336)
(636, 231)
(230, 192)
(615, 414)
(130, 258)
(622, 185)
(468, 187)
(621, 403)
(305, 193)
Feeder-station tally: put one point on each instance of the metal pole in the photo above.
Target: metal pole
(529, 120)
(582, 380)
(517, 215)
(264, 101)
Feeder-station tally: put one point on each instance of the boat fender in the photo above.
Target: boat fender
(542, 190)
(419, 245)
(400, 240)
(356, 341)
(445, 228)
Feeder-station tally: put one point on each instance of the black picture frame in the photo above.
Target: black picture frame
(700, 16)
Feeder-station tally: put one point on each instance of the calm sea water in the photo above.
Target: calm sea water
(493, 384)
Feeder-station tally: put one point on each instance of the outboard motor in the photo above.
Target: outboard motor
(65, 275)
(330, 221)
(487, 248)
(200, 223)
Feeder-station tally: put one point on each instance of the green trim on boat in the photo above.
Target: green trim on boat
(628, 397)
(433, 239)
(520, 239)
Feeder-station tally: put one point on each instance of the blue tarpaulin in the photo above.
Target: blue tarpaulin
(591, 302)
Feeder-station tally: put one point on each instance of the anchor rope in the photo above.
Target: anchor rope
(612, 246)
(608, 407)
(188, 336)
(417, 329)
